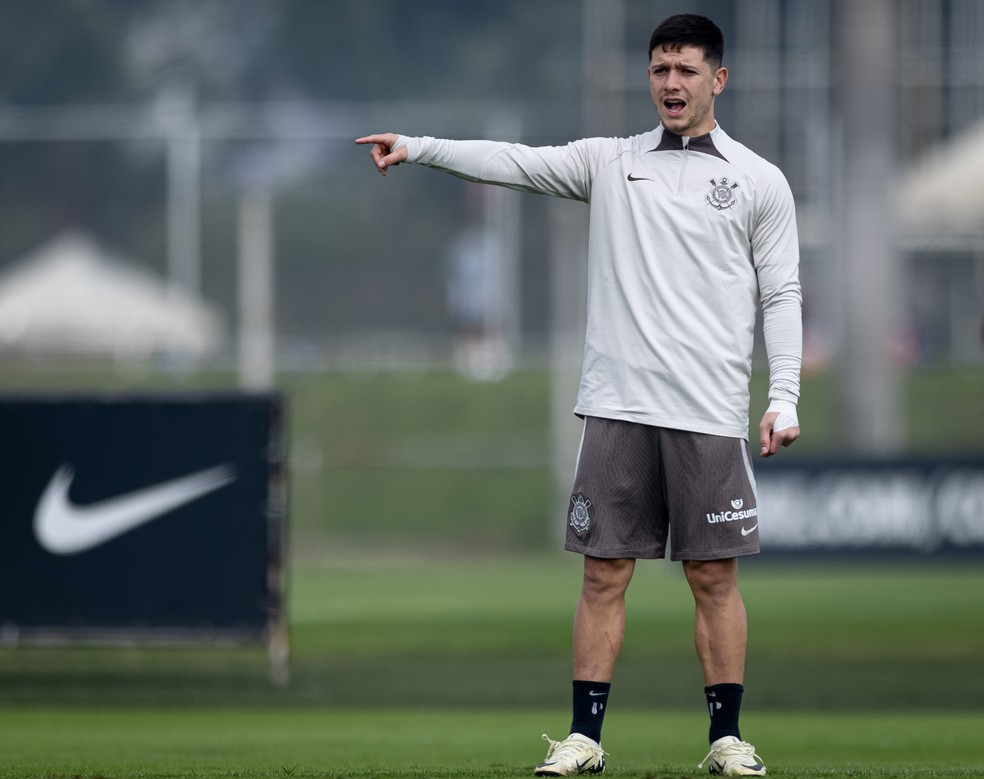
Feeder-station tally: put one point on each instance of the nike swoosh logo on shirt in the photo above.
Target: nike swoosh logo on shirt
(64, 528)
(638, 178)
(747, 531)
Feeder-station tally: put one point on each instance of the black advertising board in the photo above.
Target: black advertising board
(142, 516)
(923, 505)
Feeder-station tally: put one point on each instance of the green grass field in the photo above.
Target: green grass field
(445, 651)
(412, 668)
(461, 744)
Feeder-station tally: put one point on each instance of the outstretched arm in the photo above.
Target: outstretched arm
(382, 151)
(561, 171)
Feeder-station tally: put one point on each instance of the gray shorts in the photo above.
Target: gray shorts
(639, 486)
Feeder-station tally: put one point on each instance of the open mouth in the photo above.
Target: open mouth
(673, 106)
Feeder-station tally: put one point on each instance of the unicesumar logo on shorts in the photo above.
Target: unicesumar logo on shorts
(740, 513)
(722, 194)
(580, 519)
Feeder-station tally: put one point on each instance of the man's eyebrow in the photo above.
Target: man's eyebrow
(673, 64)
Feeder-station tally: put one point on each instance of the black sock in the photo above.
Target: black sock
(724, 704)
(590, 702)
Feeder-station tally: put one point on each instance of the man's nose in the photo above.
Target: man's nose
(672, 81)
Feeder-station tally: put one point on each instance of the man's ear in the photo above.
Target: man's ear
(720, 79)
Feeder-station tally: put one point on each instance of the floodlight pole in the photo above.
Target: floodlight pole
(183, 191)
(256, 280)
(868, 267)
(502, 219)
(602, 109)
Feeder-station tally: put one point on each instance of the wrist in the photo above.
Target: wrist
(401, 141)
(782, 406)
(786, 411)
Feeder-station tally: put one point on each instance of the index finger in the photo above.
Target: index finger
(383, 139)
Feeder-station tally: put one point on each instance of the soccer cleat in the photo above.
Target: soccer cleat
(575, 755)
(731, 757)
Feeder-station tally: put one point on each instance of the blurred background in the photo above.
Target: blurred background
(182, 207)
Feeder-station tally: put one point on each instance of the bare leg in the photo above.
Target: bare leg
(599, 622)
(720, 626)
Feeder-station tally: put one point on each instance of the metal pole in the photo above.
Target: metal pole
(256, 341)
(603, 30)
(868, 266)
(183, 193)
(503, 220)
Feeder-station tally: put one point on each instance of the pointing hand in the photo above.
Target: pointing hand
(382, 152)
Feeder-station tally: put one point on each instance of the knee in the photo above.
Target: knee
(606, 578)
(711, 578)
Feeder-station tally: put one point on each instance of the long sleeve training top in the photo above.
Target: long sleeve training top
(687, 238)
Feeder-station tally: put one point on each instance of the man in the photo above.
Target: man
(689, 233)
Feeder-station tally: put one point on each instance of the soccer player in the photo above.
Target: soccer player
(689, 233)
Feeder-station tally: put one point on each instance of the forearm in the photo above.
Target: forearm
(782, 327)
(548, 170)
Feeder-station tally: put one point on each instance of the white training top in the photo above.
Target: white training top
(687, 237)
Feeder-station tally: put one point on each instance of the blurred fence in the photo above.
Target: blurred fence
(360, 272)
(362, 265)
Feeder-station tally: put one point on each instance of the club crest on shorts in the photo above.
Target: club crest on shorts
(580, 519)
(722, 194)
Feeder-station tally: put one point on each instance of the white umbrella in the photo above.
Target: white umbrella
(70, 296)
(941, 193)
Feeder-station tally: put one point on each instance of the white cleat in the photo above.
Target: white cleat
(731, 757)
(575, 755)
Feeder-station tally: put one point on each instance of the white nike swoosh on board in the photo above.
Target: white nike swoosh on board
(64, 528)
(747, 531)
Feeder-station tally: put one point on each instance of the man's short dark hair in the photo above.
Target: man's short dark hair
(690, 30)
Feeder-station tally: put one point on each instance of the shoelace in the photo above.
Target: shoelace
(552, 745)
(739, 749)
(558, 747)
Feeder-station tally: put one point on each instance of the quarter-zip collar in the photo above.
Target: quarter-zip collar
(703, 143)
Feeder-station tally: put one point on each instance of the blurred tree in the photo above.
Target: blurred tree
(117, 52)
(217, 49)
(440, 49)
(63, 51)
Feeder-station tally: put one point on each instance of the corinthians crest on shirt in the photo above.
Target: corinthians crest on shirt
(580, 518)
(722, 195)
